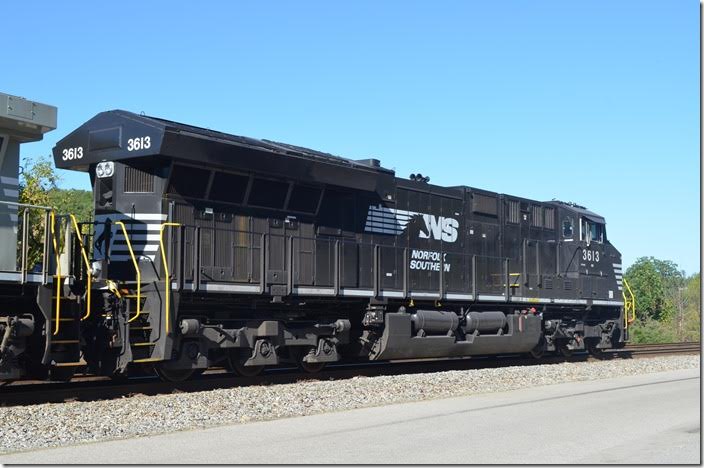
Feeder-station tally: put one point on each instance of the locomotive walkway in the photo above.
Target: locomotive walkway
(652, 418)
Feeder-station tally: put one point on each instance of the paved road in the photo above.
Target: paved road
(640, 419)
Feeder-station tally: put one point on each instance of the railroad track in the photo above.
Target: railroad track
(89, 388)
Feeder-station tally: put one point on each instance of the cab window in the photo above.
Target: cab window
(567, 228)
(591, 231)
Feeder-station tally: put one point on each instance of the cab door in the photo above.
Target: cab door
(591, 235)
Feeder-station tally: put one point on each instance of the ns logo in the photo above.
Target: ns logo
(439, 228)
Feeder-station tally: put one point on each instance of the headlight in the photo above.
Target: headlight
(105, 169)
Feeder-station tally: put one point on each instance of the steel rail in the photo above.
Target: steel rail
(100, 388)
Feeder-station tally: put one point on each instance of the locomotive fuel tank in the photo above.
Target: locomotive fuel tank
(485, 322)
(435, 321)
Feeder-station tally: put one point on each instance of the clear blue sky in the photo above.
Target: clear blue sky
(595, 102)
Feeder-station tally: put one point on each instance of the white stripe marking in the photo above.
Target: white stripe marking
(9, 181)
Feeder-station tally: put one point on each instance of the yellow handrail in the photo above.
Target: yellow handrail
(136, 269)
(629, 304)
(57, 277)
(89, 272)
(167, 280)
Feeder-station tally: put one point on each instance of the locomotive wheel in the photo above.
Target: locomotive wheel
(594, 351)
(539, 350)
(564, 350)
(173, 375)
(235, 362)
(61, 374)
(310, 367)
(121, 377)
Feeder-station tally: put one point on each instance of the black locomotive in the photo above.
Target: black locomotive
(211, 249)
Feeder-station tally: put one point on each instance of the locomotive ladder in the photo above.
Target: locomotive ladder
(147, 329)
(629, 305)
(63, 345)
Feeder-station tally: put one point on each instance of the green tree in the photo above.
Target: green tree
(37, 179)
(668, 304)
(648, 285)
(39, 187)
(690, 327)
(649, 330)
(73, 201)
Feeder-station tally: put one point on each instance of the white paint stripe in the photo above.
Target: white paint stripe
(136, 248)
(532, 299)
(137, 228)
(490, 297)
(423, 294)
(313, 291)
(569, 301)
(390, 227)
(371, 222)
(14, 193)
(230, 287)
(600, 302)
(10, 276)
(9, 181)
(459, 297)
(16, 276)
(146, 216)
(617, 265)
(396, 294)
(357, 292)
(134, 216)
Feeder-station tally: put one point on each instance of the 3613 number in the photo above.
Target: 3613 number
(70, 154)
(590, 255)
(139, 143)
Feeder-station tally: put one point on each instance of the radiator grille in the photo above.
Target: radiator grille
(138, 180)
(549, 218)
(514, 215)
(547, 282)
(536, 216)
(484, 204)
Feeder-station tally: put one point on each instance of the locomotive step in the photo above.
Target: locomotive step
(139, 361)
(70, 364)
(65, 342)
(140, 328)
(143, 344)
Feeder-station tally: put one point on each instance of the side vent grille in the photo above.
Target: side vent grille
(536, 216)
(138, 180)
(513, 215)
(568, 285)
(484, 204)
(547, 282)
(549, 218)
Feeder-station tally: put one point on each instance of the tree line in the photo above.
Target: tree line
(668, 302)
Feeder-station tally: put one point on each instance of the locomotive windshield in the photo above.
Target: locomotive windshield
(592, 231)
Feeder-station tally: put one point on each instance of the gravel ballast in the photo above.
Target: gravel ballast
(57, 424)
